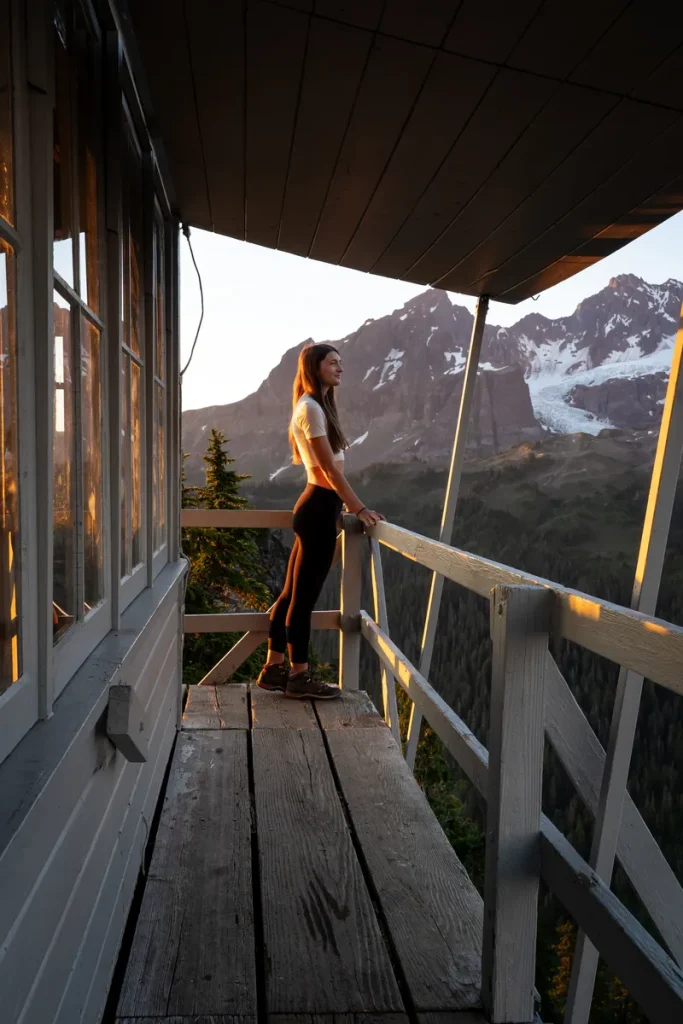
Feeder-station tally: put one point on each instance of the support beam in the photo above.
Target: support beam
(450, 501)
(349, 640)
(389, 704)
(236, 656)
(244, 622)
(630, 684)
(520, 618)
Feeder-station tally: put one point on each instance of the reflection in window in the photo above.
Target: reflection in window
(91, 456)
(10, 640)
(136, 463)
(89, 119)
(6, 168)
(63, 474)
(159, 463)
(133, 547)
(125, 463)
(63, 195)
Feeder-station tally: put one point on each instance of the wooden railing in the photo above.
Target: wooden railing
(530, 702)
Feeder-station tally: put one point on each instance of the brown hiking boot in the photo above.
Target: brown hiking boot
(303, 685)
(273, 677)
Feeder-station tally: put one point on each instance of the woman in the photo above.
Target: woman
(318, 442)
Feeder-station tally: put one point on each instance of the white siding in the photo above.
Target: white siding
(74, 820)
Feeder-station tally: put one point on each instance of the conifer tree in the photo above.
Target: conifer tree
(225, 573)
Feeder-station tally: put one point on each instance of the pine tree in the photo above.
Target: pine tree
(225, 573)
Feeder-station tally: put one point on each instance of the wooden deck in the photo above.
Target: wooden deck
(299, 875)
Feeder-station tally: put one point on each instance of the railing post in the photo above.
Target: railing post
(519, 630)
(350, 636)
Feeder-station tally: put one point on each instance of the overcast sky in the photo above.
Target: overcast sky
(258, 303)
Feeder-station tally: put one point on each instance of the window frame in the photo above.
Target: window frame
(160, 556)
(82, 637)
(136, 578)
(20, 703)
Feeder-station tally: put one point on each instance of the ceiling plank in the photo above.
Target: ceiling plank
(639, 41)
(217, 49)
(334, 65)
(563, 34)
(663, 204)
(633, 178)
(391, 84)
(489, 29)
(420, 21)
(664, 84)
(452, 92)
(591, 163)
(508, 107)
(360, 13)
(276, 43)
(170, 80)
(565, 121)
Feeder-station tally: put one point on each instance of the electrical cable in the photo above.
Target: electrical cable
(186, 232)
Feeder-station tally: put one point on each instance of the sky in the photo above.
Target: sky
(260, 302)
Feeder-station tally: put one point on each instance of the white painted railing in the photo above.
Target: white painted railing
(530, 701)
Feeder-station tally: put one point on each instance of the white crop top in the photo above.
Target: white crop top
(308, 420)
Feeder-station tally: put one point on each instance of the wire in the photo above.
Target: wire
(186, 232)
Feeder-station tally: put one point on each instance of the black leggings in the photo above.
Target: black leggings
(315, 525)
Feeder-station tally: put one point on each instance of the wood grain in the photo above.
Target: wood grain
(193, 951)
(271, 710)
(323, 947)
(519, 630)
(217, 707)
(432, 909)
(640, 642)
(353, 709)
(242, 622)
(338, 1018)
(211, 1018)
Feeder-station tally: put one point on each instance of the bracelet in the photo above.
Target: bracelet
(360, 510)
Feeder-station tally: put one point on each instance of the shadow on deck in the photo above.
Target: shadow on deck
(298, 870)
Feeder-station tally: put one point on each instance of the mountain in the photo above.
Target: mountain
(604, 366)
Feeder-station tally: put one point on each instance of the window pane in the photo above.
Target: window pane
(63, 474)
(62, 150)
(160, 299)
(89, 119)
(159, 467)
(10, 639)
(136, 463)
(91, 424)
(133, 335)
(6, 168)
(125, 463)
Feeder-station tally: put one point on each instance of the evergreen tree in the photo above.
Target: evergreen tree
(225, 572)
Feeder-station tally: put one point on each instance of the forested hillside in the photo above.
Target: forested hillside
(584, 535)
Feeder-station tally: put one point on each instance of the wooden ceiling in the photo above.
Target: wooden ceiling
(483, 146)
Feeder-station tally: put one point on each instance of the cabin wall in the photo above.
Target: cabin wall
(75, 815)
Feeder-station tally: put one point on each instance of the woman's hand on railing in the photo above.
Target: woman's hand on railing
(368, 517)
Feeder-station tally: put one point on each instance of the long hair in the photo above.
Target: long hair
(307, 381)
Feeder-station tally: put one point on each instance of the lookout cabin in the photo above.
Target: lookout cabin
(224, 856)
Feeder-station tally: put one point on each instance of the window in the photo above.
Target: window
(78, 471)
(10, 619)
(10, 636)
(159, 459)
(133, 362)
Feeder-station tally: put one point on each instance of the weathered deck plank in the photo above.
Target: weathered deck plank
(193, 951)
(339, 1018)
(220, 706)
(324, 952)
(352, 709)
(211, 1018)
(270, 710)
(433, 911)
